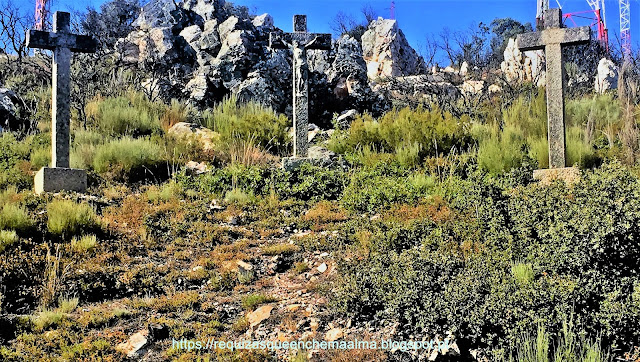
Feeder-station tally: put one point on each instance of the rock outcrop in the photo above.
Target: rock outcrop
(10, 108)
(387, 52)
(210, 50)
(523, 67)
(607, 77)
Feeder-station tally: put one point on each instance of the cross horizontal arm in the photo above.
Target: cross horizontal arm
(562, 36)
(315, 40)
(46, 40)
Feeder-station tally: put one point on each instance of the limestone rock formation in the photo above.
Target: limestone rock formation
(387, 52)
(10, 107)
(607, 77)
(523, 67)
(209, 50)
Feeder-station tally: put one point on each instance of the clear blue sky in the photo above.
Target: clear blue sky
(417, 18)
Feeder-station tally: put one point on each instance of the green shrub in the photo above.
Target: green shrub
(7, 238)
(412, 134)
(15, 217)
(84, 244)
(15, 168)
(237, 197)
(523, 273)
(459, 275)
(370, 190)
(68, 218)
(127, 155)
(131, 115)
(305, 183)
(249, 121)
(250, 302)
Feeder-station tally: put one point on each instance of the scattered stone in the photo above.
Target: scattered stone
(387, 52)
(607, 77)
(10, 107)
(334, 334)
(205, 136)
(322, 268)
(196, 168)
(344, 120)
(135, 343)
(257, 316)
(244, 266)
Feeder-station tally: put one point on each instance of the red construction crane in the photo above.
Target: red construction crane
(42, 14)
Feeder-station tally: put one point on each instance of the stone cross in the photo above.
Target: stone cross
(59, 177)
(552, 39)
(299, 41)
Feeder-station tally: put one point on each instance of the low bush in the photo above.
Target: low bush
(15, 217)
(305, 183)
(412, 134)
(505, 260)
(128, 156)
(250, 302)
(235, 120)
(84, 244)
(7, 238)
(130, 115)
(67, 218)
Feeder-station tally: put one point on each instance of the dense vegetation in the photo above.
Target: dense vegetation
(430, 222)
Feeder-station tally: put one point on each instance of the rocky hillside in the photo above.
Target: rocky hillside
(215, 50)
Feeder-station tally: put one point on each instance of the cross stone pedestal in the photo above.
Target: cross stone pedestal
(56, 179)
(570, 175)
(299, 41)
(552, 39)
(59, 176)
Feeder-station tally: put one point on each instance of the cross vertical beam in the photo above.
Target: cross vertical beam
(552, 39)
(60, 177)
(61, 109)
(299, 41)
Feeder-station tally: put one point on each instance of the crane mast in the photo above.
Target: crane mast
(42, 12)
(625, 27)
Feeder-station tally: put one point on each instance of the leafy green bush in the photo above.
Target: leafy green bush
(305, 183)
(68, 218)
(249, 121)
(7, 238)
(413, 134)
(127, 155)
(371, 189)
(577, 247)
(15, 217)
(130, 115)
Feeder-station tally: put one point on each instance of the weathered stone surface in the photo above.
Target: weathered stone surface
(552, 39)
(344, 120)
(519, 67)
(333, 335)
(58, 179)
(263, 22)
(387, 52)
(607, 77)
(570, 175)
(205, 136)
(136, 342)
(259, 315)
(10, 107)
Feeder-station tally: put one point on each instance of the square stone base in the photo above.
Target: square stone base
(58, 179)
(570, 175)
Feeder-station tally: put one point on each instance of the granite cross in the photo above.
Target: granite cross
(552, 39)
(299, 41)
(62, 43)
